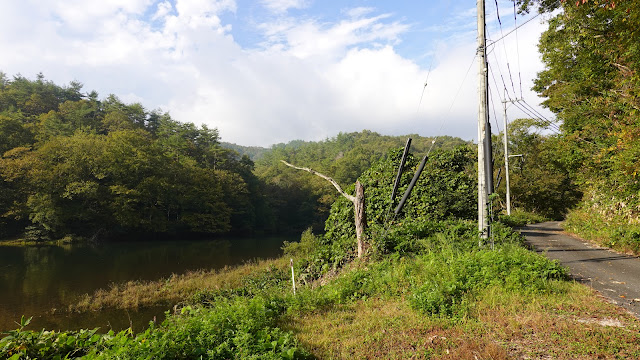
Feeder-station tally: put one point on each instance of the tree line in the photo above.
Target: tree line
(73, 164)
(591, 81)
(76, 165)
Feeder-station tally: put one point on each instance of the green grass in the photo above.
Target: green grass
(606, 229)
(444, 299)
(520, 218)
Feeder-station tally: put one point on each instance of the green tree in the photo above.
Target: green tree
(539, 180)
(591, 81)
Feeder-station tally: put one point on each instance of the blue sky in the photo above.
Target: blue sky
(271, 71)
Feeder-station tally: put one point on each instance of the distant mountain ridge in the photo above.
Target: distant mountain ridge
(420, 143)
(253, 152)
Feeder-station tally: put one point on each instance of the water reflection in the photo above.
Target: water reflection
(35, 280)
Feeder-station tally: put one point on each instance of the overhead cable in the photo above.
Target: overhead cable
(507, 34)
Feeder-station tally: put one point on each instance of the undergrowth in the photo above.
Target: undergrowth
(521, 218)
(608, 230)
(432, 265)
(441, 277)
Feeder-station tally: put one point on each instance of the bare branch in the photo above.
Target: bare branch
(333, 182)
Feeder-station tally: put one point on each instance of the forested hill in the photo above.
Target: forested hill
(253, 152)
(76, 165)
(306, 199)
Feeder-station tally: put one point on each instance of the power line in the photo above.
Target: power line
(515, 24)
(519, 103)
(499, 70)
(493, 105)
(495, 82)
(433, 142)
(549, 123)
(507, 34)
(425, 84)
(506, 56)
(451, 106)
(532, 115)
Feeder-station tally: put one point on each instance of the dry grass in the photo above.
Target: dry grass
(170, 291)
(386, 329)
(571, 324)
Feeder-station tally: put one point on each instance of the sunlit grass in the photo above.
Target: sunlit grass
(573, 323)
(510, 303)
(606, 229)
(172, 290)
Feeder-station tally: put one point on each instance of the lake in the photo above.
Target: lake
(35, 280)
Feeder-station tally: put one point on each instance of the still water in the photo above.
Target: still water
(40, 281)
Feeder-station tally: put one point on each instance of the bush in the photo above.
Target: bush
(307, 244)
(453, 281)
(521, 218)
(610, 230)
(237, 328)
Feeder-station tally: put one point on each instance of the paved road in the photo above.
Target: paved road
(614, 275)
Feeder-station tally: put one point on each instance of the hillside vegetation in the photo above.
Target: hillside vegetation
(426, 289)
(76, 167)
(591, 81)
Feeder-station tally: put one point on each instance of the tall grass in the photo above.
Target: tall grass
(435, 295)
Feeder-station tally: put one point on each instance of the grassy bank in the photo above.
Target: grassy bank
(609, 230)
(446, 299)
(174, 290)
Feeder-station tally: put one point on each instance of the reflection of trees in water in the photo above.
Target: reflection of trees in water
(33, 280)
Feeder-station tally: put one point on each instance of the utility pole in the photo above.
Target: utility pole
(506, 155)
(485, 172)
(506, 151)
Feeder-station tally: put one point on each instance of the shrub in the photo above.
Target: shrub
(521, 218)
(453, 281)
(307, 244)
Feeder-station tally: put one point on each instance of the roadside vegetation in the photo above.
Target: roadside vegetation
(426, 289)
(591, 83)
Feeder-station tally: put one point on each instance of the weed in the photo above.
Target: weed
(521, 218)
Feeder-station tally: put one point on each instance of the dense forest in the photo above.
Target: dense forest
(74, 165)
(77, 166)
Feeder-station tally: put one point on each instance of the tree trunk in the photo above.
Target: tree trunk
(360, 218)
(358, 206)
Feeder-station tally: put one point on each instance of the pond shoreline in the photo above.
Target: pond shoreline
(45, 280)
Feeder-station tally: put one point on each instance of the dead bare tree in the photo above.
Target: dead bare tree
(358, 205)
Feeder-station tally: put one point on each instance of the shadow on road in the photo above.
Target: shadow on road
(616, 276)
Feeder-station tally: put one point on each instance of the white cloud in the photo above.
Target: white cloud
(281, 6)
(163, 9)
(308, 80)
(309, 38)
(359, 11)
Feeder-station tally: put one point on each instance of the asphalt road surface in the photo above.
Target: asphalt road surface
(616, 276)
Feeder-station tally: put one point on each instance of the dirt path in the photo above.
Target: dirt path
(614, 275)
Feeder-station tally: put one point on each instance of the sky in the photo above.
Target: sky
(271, 71)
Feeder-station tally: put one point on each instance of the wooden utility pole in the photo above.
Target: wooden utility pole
(485, 174)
